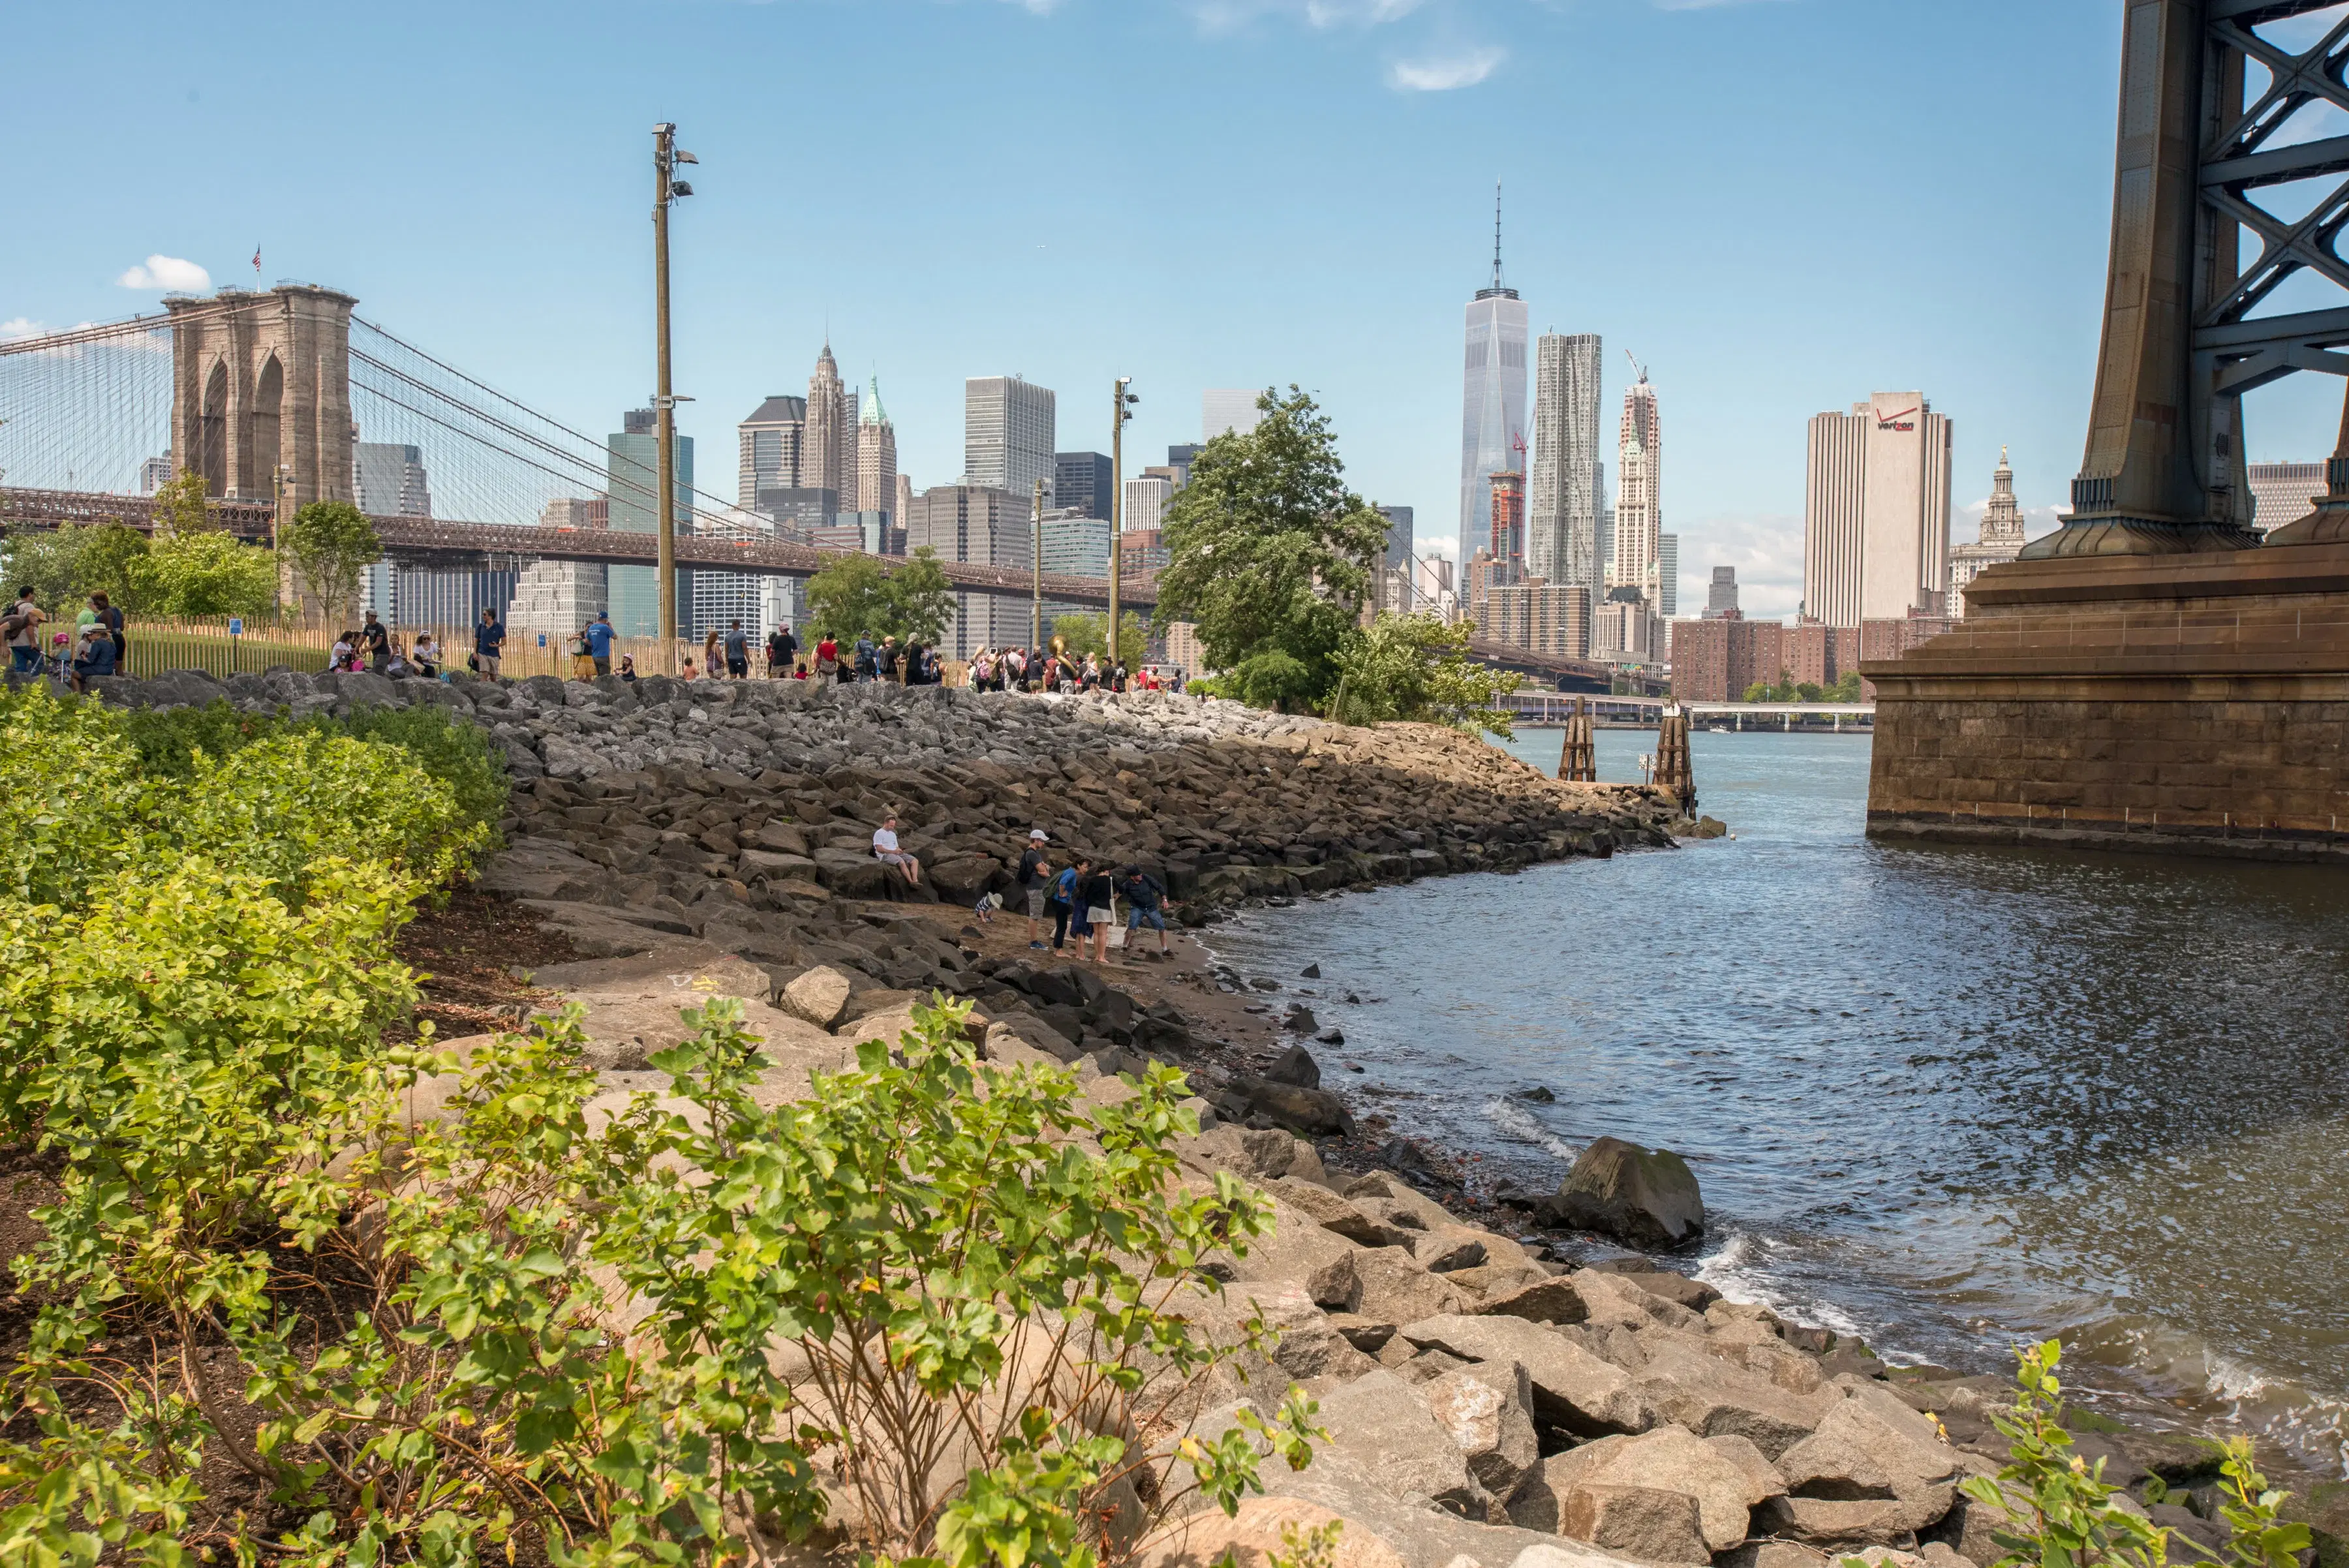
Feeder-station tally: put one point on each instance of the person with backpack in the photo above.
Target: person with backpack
(780, 646)
(827, 658)
(867, 660)
(22, 625)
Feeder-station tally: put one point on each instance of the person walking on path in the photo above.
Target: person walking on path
(885, 850)
(1146, 903)
(867, 659)
(1035, 875)
(599, 641)
(22, 625)
(738, 651)
(780, 646)
(710, 654)
(488, 639)
(827, 658)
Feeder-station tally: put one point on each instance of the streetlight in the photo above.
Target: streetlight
(667, 188)
(1122, 408)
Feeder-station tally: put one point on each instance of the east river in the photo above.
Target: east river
(1943, 1098)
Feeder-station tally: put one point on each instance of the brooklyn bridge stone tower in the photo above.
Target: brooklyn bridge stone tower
(262, 380)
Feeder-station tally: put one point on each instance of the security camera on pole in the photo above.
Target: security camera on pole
(1120, 403)
(667, 188)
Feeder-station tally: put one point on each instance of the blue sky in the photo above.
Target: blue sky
(1778, 205)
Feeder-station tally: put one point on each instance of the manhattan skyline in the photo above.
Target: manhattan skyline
(1743, 236)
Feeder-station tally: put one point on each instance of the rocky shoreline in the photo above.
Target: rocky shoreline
(1490, 1395)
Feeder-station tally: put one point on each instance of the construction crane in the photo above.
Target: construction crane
(1636, 368)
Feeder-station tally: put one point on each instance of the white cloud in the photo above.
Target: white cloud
(168, 273)
(1443, 73)
(20, 327)
(1697, 4)
(1036, 8)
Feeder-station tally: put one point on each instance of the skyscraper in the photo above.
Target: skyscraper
(1876, 526)
(877, 457)
(1146, 496)
(1508, 539)
(1721, 599)
(1399, 524)
(1639, 485)
(1562, 504)
(828, 458)
(1081, 480)
(1227, 409)
(387, 479)
(989, 527)
(1493, 396)
(631, 479)
(771, 443)
(1007, 436)
(1668, 575)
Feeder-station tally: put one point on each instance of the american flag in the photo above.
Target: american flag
(256, 261)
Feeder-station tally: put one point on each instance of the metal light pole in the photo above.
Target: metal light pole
(667, 189)
(1121, 409)
(1036, 598)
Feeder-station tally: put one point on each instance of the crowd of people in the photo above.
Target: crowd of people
(97, 648)
(1080, 898)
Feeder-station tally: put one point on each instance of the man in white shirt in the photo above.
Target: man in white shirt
(885, 850)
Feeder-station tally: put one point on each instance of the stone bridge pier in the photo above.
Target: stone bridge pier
(262, 380)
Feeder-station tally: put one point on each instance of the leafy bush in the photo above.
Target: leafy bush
(1417, 667)
(2066, 1515)
(945, 1299)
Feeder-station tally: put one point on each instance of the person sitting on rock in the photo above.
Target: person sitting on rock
(885, 850)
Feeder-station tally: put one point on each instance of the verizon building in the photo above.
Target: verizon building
(1875, 536)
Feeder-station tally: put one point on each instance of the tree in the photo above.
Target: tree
(204, 574)
(1085, 632)
(1416, 667)
(1269, 553)
(330, 543)
(921, 599)
(180, 506)
(855, 596)
(64, 565)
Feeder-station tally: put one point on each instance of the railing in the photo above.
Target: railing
(225, 645)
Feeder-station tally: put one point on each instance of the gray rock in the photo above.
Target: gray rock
(1314, 1112)
(1648, 1198)
(1652, 1525)
(1572, 1388)
(820, 995)
(1383, 1424)
(1295, 1065)
(1487, 1408)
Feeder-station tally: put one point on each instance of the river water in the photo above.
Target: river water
(1941, 1097)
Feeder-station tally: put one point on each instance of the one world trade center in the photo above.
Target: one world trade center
(1492, 402)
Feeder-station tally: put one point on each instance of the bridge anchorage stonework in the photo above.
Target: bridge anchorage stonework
(2153, 675)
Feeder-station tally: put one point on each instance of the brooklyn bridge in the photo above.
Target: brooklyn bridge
(265, 392)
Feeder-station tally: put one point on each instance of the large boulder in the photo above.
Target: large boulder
(1714, 1397)
(1338, 1214)
(1381, 1423)
(1571, 1387)
(1549, 1300)
(1487, 1408)
(1647, 1197)
(1671, 1458)
(1873, 1470)
(1295, 1065)
(1313, 1112)
(820, 995)
(1646, 1523)
(1398, 1289)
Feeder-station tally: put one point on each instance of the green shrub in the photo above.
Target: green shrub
(2066, 1515)
(628, 1331)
